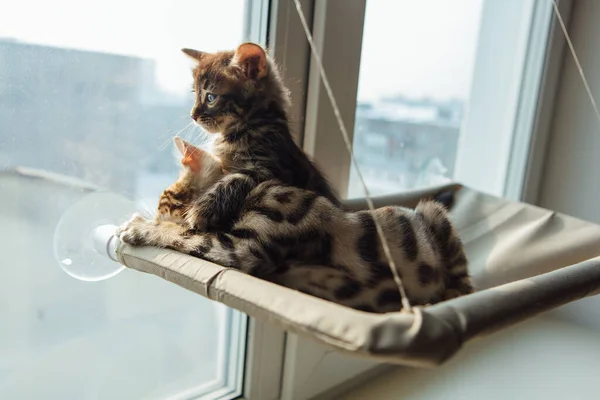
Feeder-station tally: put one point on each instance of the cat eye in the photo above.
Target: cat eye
(211, 98)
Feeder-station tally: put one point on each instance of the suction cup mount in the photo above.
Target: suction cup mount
(85, 240)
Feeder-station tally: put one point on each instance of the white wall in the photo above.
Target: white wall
(541, 358)
(571, 178)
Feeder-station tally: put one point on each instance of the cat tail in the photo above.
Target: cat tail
(444, 236)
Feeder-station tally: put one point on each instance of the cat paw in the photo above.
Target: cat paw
(136, 231)
(195, 222)
(123, 228)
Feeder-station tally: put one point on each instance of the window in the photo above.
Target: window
(431, 91)
(91, 99)
(415, 74)
(450, 90)
(90, 96)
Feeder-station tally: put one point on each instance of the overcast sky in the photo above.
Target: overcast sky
(413, 47)
(419, 47)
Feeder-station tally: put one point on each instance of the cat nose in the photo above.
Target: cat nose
(195, 114)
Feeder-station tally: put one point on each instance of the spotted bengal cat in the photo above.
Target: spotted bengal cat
(240, 97)
(304, 241)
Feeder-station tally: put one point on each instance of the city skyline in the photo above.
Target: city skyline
(430, 39)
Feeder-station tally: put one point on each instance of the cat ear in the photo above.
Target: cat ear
(192, 157)
(252, 60)
(193, 54)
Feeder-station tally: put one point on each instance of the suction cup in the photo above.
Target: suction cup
(84, 240)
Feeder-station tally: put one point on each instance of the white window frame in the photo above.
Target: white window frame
(264, 361)
(499, 129)
(500, 140)
(515, 137)
(544, 112)
(265, 343)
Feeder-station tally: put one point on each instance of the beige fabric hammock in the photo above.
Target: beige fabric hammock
(524, 260)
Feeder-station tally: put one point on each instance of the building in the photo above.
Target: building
(402, 144)
(83, 108)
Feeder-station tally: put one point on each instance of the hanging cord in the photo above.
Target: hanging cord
(405, 302)
(384, 243)
(576, 59)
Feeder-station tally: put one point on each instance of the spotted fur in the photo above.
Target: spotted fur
(304, 241)
(241, 97)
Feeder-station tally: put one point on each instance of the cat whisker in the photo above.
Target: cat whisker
(146, 209)
(184, 129)
(170, 138)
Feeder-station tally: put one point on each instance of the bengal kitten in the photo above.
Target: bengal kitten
(240, 96)
(302, 240)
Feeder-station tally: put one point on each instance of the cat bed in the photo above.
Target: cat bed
(524, 260)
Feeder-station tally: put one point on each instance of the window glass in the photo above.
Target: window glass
(91, 94)
(415, 75)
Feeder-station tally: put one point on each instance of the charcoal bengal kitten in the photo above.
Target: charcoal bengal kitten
(240, 96)
(302, 240)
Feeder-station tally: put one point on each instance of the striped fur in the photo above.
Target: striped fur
(241, 97)
(304, 241)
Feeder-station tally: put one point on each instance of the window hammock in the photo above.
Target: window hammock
(524, 260)
(540, 259)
